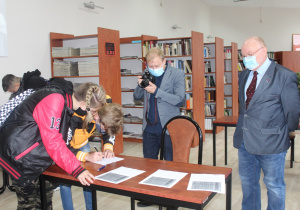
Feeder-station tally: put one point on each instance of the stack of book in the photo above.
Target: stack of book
(88, 68)
(65, 51)
(92, 50)
(65, 68)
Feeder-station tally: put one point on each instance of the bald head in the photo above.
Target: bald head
(255, 46)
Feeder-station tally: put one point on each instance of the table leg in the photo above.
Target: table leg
(214, 145)
(228, 192)
(225, 145)
(43, 192)
(94, 200)
(132, 203)
(2, 189)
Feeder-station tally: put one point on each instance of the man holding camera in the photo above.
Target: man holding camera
(163, 90)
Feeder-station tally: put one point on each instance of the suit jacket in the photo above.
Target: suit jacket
(272, 113)
(170, 95)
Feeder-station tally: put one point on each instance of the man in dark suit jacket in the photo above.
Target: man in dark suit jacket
(262, 132)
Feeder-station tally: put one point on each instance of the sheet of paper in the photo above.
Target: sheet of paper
(106, 161)
(163, 178)
(119, 175)
(207, 182)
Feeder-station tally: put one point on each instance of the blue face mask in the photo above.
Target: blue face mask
(250, 62)
(156, 72)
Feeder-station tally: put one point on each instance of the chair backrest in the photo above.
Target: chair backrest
(183, 130)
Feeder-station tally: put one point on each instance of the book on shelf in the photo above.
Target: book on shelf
(241, 66)
(210, 109)
(227, 53)
(188, 66)
(188, 100)
(210, 95)
(208, 124)
(177, 48)
(188, 83)
(206, 52)
(227, 113)
(225, 103)
(209, 81)
(207, 66)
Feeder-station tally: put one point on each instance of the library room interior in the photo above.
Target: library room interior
(107, 43)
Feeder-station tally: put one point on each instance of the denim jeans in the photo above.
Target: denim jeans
(272, 166)
(151, 146)
(66, 194)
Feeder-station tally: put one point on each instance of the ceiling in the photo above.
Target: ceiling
(255, 3)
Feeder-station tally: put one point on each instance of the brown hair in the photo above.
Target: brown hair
(111, 116)
(93, 95)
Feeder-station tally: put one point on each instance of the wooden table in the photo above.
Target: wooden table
(226, 121)
(178, 195)
(231, 121)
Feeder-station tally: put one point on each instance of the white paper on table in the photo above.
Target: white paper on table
(119, 175)
(207, 182)
(106, 161)
(163, 178)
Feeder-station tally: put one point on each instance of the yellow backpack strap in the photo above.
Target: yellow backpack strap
(108, 99)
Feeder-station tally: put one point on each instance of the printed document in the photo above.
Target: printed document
(207, 182)
(163, 178)
(119, 175)
(106, 161)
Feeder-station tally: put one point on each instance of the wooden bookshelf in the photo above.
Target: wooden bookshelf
(216, 59)
(289, 59)
(231, 78)
(108, 63)
(130, 51)
(194, 53)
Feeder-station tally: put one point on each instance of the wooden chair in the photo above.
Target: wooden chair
(183, 130)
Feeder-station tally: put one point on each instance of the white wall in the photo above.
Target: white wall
(237, 24)
(30, 22)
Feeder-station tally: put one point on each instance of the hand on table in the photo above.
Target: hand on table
(86, 178)
(108, 154)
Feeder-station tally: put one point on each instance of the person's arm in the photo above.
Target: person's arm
(108, 143)
(138, 93)
(47, 115)
(291, 102)
(177, 97)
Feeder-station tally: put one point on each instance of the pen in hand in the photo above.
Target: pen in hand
(96, 148)
(101, 168)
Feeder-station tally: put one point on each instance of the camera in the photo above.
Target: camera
(147, 77)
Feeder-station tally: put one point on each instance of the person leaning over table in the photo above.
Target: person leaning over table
(35, 134)
(108, 120)
(162, 101)
(265, 120)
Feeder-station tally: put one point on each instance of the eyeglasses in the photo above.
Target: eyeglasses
(249, 55)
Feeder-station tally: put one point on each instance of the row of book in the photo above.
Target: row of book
(208, 124)
(188, 113)
(241, 66)
(79, 68)
(227, 113)
(188, 101)
(185, 65)
(179, 48)
(210, 109)
(209, 81)
(207, 66)
(70, 51)
(227, 53)
(188, 83)
(210, 95)
(206, 52)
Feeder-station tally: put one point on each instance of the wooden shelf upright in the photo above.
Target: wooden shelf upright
(108, 57)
